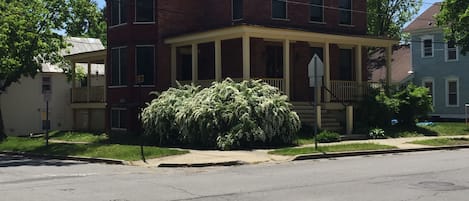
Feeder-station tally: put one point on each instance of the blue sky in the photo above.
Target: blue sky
(100, 3)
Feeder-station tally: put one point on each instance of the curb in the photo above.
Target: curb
(189, 165)
(74, 158)
(373, 152)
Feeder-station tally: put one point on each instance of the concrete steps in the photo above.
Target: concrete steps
(307, 114)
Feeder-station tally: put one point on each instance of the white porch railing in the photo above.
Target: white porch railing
(276, 82)
(348, 90)
(81, 95)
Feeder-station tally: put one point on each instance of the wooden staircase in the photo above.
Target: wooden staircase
(330, 118)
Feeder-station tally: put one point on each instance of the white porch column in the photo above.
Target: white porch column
(246, 57)
(286, 66)
(327, 71)
(173, 65)
(358, 69)
(89, 83)
(195, 63)
(388, 65)
(218, 65)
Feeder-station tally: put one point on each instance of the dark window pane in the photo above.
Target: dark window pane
(146, 64)
(452, 55)
(118, 14)
(115, 67)
(122, 118)
(123, 66)
(144, 11)
(279, 9)
(316, 11)
(114, 118)
(452, 99)
(237, 9)
(452, 87)
(428, 47)
(345, 11)
(451, 44)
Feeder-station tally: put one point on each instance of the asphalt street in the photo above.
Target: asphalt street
(429, 176)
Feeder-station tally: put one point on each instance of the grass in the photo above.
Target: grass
(331, 149)
(114, 151)
(438, 129)
(443, 141)
(73, 136)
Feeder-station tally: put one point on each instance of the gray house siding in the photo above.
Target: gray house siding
(437, 69)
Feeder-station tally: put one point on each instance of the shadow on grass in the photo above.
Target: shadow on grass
(409, 131)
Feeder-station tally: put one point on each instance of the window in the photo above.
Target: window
(237, 9)
(118, 14)
(46, 85)
(452, 88)
(118, 118)
(427, 46)
(451, 51)
(144, 11)
(428, 83)
(145, 63)
(279, 9)
(316, 13)
(345, 7)
(119, 66)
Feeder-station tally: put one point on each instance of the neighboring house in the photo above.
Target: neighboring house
(201, 41)
(439, 65)
(24, 105)
(401, 70)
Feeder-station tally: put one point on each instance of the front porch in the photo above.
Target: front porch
(280, 57)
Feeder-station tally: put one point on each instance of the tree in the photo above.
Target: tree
(388, 17)
(454, 18)
(30, 35)
(86, 20)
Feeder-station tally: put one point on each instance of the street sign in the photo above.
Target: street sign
(315, 71)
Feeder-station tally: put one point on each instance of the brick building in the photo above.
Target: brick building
(201, 41)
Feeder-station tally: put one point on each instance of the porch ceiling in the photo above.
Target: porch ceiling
(96, 57)
(276, 33)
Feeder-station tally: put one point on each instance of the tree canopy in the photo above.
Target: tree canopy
(31, 34)
(454, 18)
(388, 17)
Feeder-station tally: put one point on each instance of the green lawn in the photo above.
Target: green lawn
(443, 141)
(330, 149)
(438, 129)
(113, 151)
(73, 136)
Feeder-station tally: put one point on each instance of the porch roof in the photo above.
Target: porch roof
(277, 33)
(97, 57)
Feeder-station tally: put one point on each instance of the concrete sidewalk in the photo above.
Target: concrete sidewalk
(197, 158)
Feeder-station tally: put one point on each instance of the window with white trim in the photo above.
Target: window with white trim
(119, 66)
(427, 46)
(119, 118)
(345, 12)
(428, 83)
(145, 63)
(118, 14)
(451, 51)
(46, 85)
(144, 11)
(279, 9)
(237, 9)
(452, 92)
(316, 13)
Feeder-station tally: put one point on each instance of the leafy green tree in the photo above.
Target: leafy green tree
(388, 17)
(30, 35)
(85, 19)
(454, 18)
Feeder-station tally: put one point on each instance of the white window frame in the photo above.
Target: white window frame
(117, 109)
(322, 10)
(120, 16)
(351, 15)
(120, 81)
(135, 15)
(272, 11)
(447, 49)
(423, 39)
(447, 80)
(232, 12)
(154, 62)
(430, 79)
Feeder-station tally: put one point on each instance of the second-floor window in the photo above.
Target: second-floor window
(345, 10)
(427, 46)
(145, 63)
(279, 9)
(237, 9)
(119, 66)
(451, 51)
(118, 14)
(316, 11)
(144, 11)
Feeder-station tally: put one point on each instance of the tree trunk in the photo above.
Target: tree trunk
(2, 129)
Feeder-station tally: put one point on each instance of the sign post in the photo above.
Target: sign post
(46, 122)
(140, 79)
(315, 74)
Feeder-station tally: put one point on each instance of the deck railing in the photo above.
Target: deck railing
(81, 95)
(349, 91)
(276, 82)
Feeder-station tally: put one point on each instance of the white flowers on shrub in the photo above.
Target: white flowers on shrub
(227, 115)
